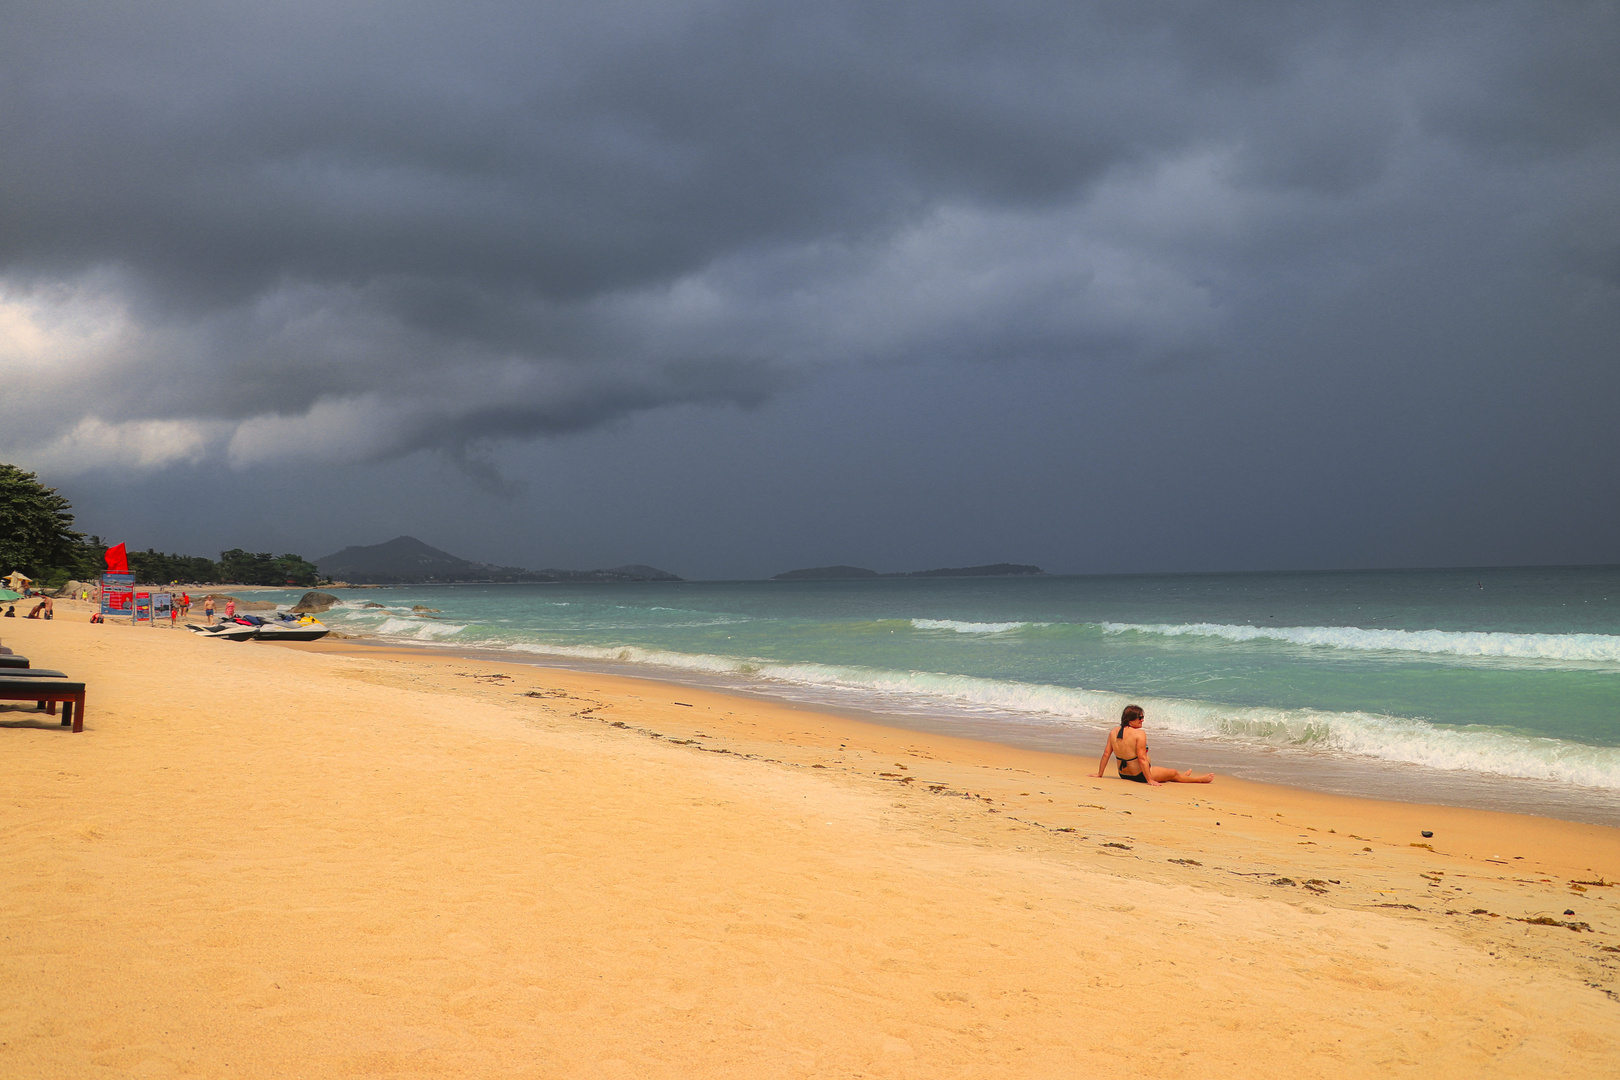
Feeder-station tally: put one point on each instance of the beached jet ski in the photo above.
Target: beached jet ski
(292, 628)
(229, 630)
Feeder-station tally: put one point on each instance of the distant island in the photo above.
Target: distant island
(406, 560)
(851, 573)
(827, 573)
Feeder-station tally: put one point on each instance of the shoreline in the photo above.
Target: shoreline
(1332, 774)
(882, 728)
(334, 858)
(887, 729)
(1326, 772)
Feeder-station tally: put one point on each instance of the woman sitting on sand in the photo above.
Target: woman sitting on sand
(1130, 746)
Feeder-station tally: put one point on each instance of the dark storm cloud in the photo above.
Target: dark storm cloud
(346, 231)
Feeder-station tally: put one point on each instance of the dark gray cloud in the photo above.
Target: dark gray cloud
(301, 234)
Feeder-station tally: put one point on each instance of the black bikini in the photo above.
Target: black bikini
(1140, 778)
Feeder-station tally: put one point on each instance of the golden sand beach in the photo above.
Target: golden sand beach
(328, 861)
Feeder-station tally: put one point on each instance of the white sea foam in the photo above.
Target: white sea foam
(417, 629)
(356, 609)
(1366, 735)
(1387, 738)
(969, 627)
(1603, 648)
(635, 654)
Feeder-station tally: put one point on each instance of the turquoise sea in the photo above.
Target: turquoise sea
(1496, 688)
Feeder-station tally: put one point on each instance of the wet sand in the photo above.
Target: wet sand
(281, 860)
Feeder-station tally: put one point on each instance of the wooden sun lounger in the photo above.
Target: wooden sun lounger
(13, 661)
(48, 691)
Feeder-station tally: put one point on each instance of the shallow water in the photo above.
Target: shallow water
(1492, 688)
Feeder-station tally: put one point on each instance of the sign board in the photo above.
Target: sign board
(117, 594)
(162, 606)
(143, 606)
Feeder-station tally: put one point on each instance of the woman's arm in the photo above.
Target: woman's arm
(1147, 763)
(1108, 752)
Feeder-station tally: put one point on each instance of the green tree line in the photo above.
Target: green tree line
(37, 538)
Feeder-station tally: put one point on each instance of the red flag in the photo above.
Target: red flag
(117, 560)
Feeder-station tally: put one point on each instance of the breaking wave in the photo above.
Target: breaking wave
(1494, 751)
(1602, 648)
(969, 627)
(1387, 738)
(417, 629)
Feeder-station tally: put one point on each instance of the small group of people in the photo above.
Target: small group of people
(1129, 746)
(45, 609)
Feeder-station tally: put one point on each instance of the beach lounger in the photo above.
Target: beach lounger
(32, 673)
(47, 691)
(13, 662)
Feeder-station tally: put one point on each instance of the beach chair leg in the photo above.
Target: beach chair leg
(73, 715)
(50, 707)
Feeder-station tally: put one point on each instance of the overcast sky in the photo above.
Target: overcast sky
(737, 287)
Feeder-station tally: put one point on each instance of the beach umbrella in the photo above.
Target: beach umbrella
(7, 594)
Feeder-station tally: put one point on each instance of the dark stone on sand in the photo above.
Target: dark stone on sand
(1427, 834)
(313, 603)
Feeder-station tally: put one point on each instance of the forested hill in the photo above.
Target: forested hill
(406, 560)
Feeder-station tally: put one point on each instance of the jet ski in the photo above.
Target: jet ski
(229, 630)
(292, 628)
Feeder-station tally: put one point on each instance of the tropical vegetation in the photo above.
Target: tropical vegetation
(37, 538)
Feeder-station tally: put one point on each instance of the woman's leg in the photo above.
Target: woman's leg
(1179, 776)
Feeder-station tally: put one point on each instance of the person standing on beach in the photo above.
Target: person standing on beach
(208, 608)
(1129, 745)
(230, 609)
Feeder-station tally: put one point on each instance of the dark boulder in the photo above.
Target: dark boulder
(313, 603)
